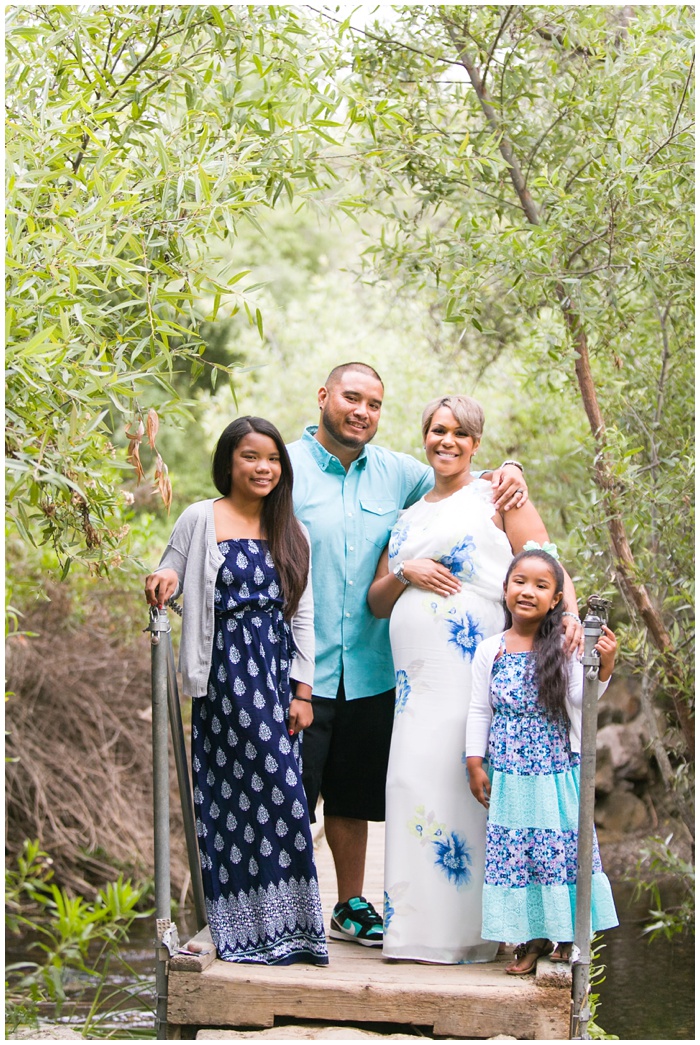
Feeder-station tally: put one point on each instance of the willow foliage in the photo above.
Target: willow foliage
(137, 137)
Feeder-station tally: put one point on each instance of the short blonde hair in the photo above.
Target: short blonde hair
(467, 412)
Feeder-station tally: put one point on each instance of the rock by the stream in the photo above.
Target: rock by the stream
(47, 1032)
(625, 752)
(604, 772)
(620, 703)
(621, 813)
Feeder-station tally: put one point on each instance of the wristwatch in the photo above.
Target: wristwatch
(398, 573)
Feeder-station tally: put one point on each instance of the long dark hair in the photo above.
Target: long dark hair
(288, 545)
(550, 659)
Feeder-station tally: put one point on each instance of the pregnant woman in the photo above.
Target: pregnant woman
(441, 581)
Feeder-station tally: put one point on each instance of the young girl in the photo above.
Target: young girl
(242, 562)
(526, 707)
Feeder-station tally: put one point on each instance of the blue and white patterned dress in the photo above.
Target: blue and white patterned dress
(530, 882)
(255, 844)
(435, 831)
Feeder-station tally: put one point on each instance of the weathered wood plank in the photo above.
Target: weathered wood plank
(553, 974)
(470, 1008)
(458, 1001)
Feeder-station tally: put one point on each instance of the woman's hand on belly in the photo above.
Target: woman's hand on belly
(431, 576)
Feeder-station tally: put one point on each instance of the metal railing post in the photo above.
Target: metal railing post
(183, 779)
(166, 942)
(581, 951)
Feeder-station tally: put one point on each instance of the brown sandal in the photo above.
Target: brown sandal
(561, 953)
(538, 948)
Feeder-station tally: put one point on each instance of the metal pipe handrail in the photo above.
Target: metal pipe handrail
(166, 931)
(184, 786)
(581, 950)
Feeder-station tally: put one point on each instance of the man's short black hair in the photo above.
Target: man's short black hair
(338, 371)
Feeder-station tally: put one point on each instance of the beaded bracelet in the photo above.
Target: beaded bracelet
(306, 700)
(568, 613)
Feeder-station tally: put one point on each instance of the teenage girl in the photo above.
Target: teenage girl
(242, 562)
(526, 710)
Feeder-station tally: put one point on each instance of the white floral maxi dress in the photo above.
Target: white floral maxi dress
(435, 831)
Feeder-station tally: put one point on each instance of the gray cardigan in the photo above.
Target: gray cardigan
(193, 553)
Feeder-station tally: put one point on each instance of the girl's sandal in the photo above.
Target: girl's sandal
(532, 950)
(561, 953)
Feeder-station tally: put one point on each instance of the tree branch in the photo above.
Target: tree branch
(663, 145)
(505, 148)
(582, 246)
(385, 39)
(501, 27)
(145, 56)
(548, 35)
(541, 139)
(663, 316)
(660, 753)
(624, 559)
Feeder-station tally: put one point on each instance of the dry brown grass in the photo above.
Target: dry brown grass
(80, 733)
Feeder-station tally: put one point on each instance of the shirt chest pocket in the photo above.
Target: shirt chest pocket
(377, 519)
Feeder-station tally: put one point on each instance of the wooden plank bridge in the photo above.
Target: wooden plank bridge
(360, 987)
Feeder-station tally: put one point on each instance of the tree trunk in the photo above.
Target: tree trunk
(622, 552)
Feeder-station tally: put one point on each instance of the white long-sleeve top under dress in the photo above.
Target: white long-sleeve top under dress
(435, 831)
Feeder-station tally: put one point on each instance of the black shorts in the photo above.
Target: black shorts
(346, 754)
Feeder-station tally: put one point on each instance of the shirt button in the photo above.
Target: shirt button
(351, 548)
(350, 515)
(347, 614)
(345, 647)
(351, 582)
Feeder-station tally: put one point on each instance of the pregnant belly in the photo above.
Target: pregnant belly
(423, 621)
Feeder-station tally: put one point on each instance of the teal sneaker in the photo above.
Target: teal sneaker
(357, 921)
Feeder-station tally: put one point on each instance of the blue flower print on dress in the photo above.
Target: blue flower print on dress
(459, 560)
(450, 850)
(453, 858)
(388, 911)
(523, 738)
(465, 635)
(398, 536)
(403, 690)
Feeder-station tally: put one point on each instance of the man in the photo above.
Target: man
(349, 494)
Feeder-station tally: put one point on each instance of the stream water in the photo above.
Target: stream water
(649, 987)
(648, 992)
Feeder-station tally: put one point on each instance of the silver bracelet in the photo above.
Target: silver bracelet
(516, 463)
(568, 613)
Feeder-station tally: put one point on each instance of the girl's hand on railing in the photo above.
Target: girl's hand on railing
(160, 587)
(607, 648)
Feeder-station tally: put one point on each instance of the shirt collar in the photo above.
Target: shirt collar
(323, 458)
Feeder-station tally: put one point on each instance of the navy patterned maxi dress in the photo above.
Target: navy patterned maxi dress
(255, 844)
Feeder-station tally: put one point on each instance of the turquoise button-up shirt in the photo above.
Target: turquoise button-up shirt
(349, 516)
